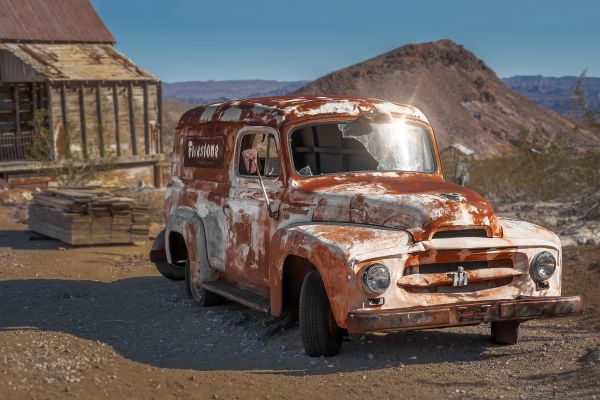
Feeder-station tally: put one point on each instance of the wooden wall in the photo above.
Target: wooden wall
(18, 101)
(120, 119)
(88, 120)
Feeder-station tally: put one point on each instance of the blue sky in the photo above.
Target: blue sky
(180, 40)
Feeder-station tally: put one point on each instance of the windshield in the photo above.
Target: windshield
(361, 146)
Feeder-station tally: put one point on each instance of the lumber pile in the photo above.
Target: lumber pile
(88, 216)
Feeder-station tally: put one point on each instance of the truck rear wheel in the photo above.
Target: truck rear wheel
(158, 256)
(170, 271)
(506, 332)
(203, 297)
(320, 334)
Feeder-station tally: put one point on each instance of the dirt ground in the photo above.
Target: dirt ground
(100, 322)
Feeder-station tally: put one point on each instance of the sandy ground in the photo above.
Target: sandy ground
(100, 322)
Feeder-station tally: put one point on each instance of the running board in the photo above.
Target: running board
(233, 293)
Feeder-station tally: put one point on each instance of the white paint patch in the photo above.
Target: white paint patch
(208, 112)
(402, 109)
(201, 208)
(232, 114)
(345, 107)
(175, 186)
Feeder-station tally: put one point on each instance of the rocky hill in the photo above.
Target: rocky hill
(202, 92)
(463, 98)
(553, 93)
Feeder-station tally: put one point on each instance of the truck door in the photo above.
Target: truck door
(250, 227)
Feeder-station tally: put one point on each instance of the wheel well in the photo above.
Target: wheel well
(177, 248)
(294, 271)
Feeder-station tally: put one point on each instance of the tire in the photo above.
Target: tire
(506, 332)
(201, 296)
(158, 256)
(320, 334)
(171, 271)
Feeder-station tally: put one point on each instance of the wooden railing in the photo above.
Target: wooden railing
(15, 146)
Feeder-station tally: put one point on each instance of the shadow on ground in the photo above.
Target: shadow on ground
(149, 320)
(18, 239)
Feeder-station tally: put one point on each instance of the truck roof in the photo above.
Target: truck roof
(275, 111)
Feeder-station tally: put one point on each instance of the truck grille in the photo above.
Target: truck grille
(444, 268)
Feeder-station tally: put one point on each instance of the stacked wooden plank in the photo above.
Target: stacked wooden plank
(88, 216)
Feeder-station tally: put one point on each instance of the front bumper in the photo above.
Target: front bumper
(464, 313)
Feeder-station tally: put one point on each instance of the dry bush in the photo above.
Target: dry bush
(559, 174)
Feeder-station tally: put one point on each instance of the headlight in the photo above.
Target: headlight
(542, 266)
(376, 278)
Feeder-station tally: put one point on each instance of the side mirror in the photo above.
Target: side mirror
(250, 157)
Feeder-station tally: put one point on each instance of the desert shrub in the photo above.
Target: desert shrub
(554, 172)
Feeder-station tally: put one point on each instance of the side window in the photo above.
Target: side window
(268, 159)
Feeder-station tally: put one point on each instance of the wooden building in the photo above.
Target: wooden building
(57, 56)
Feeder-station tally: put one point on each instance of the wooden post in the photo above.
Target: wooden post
(99, 119)
(117, 123)
(50, 117)
(34, 103)
(43, 88)
(84, 149)
(17, 108)
(65, 121)
(131, 119)
(146, 121)
(159, 116)
(158, 174)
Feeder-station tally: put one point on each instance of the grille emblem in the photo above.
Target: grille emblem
(460, 277)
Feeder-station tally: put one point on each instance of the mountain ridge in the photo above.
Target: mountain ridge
(203, 92)
(463, 98)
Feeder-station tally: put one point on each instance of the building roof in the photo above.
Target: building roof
(51, 21)
(274, 111)
(76, 62)
(463, 149)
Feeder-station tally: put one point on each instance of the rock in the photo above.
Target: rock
(591, 357)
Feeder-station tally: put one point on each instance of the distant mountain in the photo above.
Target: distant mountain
(555, 94)
(202, 92)
(463, 98)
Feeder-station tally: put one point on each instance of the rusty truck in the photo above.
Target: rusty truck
(335, 210)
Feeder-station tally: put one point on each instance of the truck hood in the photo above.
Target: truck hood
(419, 205)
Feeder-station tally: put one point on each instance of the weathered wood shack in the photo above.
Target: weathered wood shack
(57, 56)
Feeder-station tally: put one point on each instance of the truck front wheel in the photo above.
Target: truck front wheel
(320, 334)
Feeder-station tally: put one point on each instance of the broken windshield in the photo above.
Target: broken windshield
(362, 147)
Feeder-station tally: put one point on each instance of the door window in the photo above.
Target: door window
(268, 159)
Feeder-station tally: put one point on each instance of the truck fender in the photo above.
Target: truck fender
(329, 258)
(186, 222)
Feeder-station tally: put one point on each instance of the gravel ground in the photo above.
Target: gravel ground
(99, 322)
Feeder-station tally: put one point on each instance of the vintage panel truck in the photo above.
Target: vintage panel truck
(335, 210)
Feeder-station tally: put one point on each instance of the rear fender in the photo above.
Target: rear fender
(189, 225)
